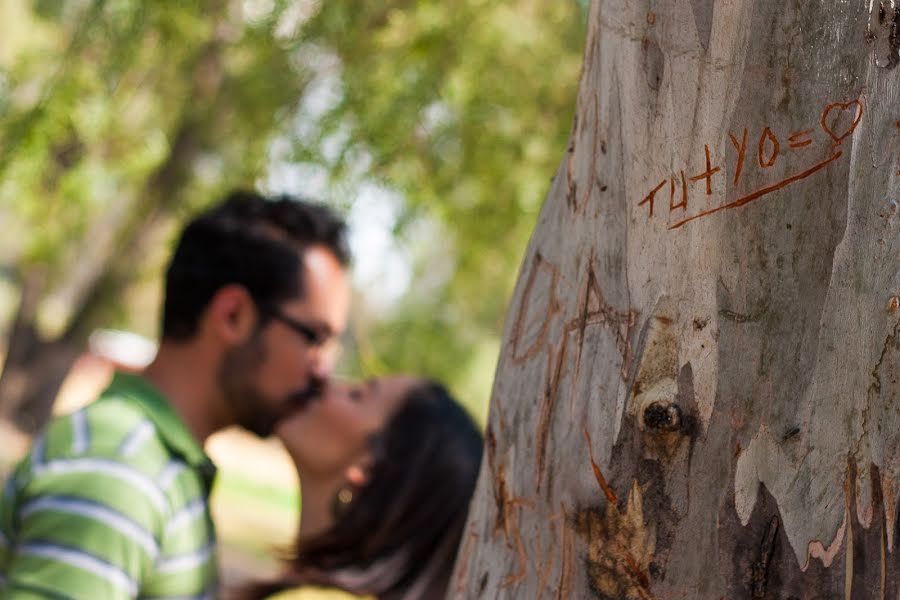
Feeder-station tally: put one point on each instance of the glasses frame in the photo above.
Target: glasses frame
(312, 336)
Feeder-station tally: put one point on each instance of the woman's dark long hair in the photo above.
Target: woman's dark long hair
(398, 537)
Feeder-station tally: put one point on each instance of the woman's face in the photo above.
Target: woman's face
(334, 432)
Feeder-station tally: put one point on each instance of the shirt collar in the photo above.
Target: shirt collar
(172, 429)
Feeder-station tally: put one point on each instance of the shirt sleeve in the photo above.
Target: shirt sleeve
(84, 528)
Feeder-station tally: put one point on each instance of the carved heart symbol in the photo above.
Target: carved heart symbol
(842, 107)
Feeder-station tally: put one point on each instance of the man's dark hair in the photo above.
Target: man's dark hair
(251, 240)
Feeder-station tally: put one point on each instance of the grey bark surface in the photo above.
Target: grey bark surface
(698, 394)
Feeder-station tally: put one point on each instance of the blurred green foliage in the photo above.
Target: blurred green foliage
(120, 117)
(464, 108)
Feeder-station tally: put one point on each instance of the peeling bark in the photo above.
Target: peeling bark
(697, 395)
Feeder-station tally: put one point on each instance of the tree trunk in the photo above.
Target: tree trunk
(698, 394)
(34, 368)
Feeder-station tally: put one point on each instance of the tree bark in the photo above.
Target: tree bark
(34, 368)
(698, 390)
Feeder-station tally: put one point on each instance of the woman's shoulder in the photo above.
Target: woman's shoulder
(318, 593)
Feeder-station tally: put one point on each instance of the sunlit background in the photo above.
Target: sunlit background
(434, 126)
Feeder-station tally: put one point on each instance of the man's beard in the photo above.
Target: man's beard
(249, 407)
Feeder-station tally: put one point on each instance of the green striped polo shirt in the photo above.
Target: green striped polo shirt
(111, 503)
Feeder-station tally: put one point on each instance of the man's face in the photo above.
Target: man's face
(284, 364)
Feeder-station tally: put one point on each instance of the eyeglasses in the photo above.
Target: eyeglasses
(309, 333)
(316, 338)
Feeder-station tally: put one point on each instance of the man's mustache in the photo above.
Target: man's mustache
(303, 398)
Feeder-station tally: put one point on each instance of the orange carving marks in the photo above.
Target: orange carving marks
(547, 406)
(533, 320)
(598, 474)
(838, 121)
(593, 310)
(768, 136)
(521, 562)
(544, 577)
(799, 139)
(649, 197)
(542, 559)
(741, 151)
(762, 192)
(709, 172)
(462, 575)
(683, 203)
(508, 509)
(567, 568)
(839, 108)
(514, 539)
(619, 543)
